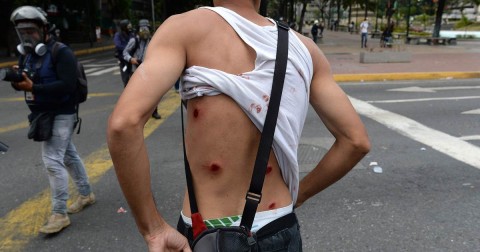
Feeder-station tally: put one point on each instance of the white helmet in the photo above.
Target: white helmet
(29, 13)
(26, 17)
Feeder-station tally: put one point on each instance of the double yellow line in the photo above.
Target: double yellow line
(21, 224)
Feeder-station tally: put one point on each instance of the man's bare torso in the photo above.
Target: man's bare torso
(221, 140)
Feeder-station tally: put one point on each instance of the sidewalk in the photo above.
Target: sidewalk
(342, 49)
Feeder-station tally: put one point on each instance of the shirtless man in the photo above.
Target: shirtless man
(214, 59)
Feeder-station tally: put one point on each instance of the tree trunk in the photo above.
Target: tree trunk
(291, 15)
(302, 16)
(350, 13)
(263, 8)
(339, 5)
(283, 10)
(390, 11)
(438, 19)
(366, 8)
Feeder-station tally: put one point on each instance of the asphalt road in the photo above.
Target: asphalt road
(424, 136)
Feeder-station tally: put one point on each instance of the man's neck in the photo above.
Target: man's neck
(246, 8)
(239, 6)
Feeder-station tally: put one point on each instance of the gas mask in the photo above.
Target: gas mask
(31, 39)
(144, 33)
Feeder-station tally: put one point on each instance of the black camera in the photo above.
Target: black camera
(15, 75)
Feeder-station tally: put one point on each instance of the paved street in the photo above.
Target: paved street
(424, 135)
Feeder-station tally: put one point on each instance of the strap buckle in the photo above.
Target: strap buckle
(253, 197)
(283, 25)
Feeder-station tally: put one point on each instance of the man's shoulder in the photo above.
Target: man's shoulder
(308, 42)
(193, 20)
(58, 48)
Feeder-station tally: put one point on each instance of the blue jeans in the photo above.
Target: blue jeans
(280, 235)
(60, 158)
(364, 39)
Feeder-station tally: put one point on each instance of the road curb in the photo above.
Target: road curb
(94, 50)
(405, 76)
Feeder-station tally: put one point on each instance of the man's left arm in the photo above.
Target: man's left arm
(339, 116)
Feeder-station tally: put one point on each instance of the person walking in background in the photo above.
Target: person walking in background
(121, 39)
(335, 25)
(314, 31)
(227, 101)
(49, 93)
(364, 26)
(386, 38)
(351, 25)
(136, 48)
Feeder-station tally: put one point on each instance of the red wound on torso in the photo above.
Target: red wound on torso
(271, 206)
(214, 168)
(195, 113)
(269, 169)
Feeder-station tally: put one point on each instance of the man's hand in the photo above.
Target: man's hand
(134, 61)
(168, 239)
(25, 85)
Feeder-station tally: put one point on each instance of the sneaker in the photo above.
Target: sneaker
(55, 223)
(81, 202)
(156, 115)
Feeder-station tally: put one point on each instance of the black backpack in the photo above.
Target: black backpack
(81, 92)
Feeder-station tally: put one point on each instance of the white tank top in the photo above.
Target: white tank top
(251, 90)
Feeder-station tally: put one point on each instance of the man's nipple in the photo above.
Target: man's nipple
(196, 113)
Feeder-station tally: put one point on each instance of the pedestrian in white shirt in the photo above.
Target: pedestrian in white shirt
(364, 29)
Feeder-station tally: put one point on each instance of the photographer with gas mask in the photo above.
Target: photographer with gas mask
(49, 85)
(135, 50)
(121, 39)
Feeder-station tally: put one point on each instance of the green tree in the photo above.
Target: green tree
(119, 9)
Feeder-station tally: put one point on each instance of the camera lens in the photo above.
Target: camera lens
(8, 74)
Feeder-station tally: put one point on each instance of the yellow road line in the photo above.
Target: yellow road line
(25, 124)
(14, 99)
(13, 127)
(22, 223)
(405, 76)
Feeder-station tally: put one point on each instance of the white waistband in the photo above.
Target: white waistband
(261, 218)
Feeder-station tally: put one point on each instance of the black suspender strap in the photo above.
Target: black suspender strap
(254, 193)
(188, 173)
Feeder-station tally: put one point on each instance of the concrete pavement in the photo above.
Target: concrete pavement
(342, 49)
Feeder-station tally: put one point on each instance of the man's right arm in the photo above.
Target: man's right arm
(337, 113)
(154, 78)
(128, 50)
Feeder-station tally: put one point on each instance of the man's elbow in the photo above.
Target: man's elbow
(361, 144)
(119, 125)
